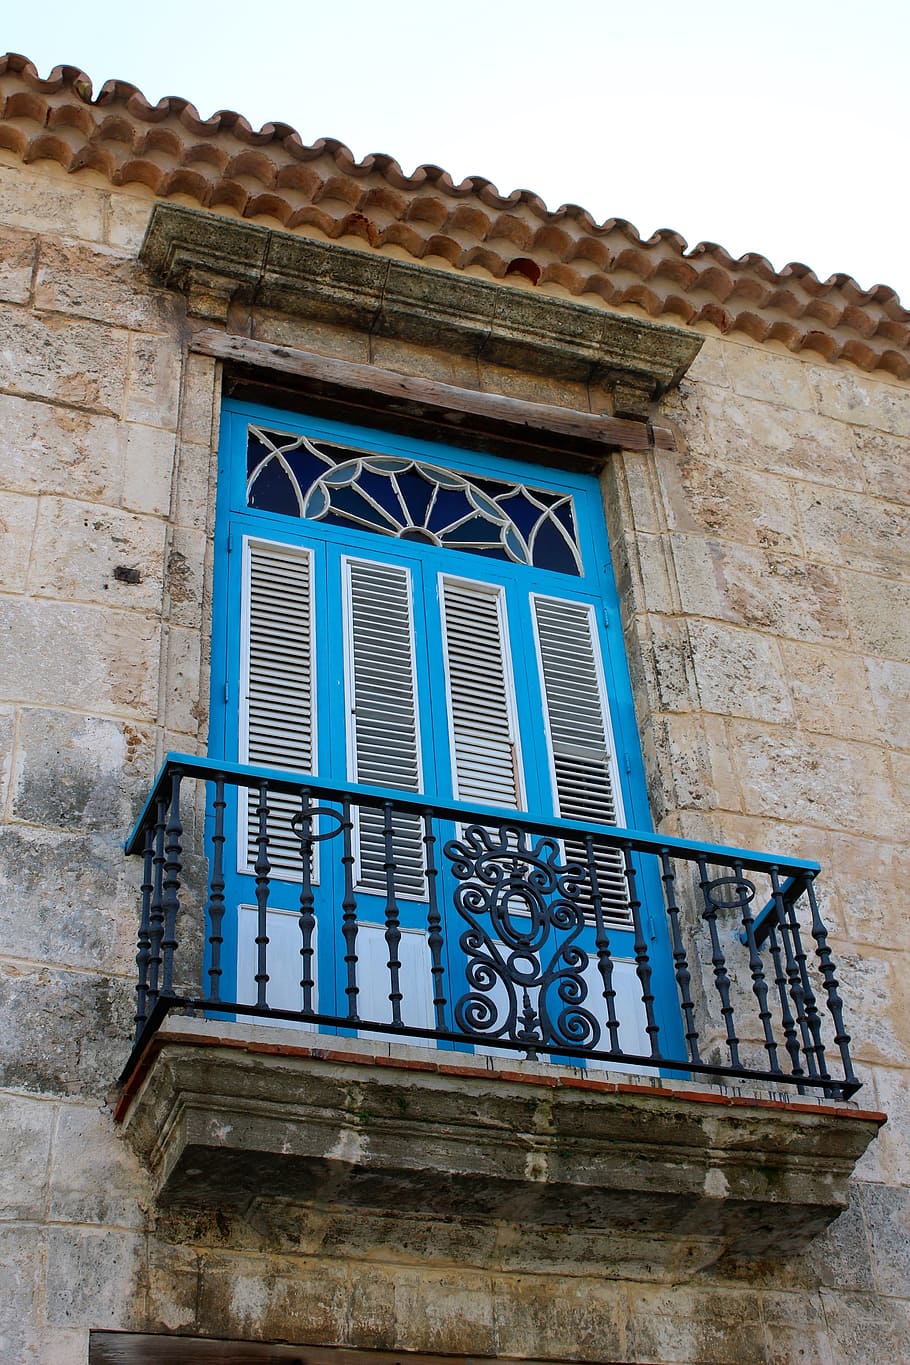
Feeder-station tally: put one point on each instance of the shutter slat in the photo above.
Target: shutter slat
(479, 686)
(383, 690)
(278, 719)
(580, 739)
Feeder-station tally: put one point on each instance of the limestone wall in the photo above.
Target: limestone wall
(766, 582)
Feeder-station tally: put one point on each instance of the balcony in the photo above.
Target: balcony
(349, 996)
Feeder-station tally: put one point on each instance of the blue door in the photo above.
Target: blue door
(407, 615)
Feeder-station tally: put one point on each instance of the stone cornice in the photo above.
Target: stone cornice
(217, 260)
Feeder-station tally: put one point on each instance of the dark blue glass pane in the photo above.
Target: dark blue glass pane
(550, 551)
(272, 491)
(450, 505)
(477, 529)
(416, 491)
(382, 490)
(349, 505)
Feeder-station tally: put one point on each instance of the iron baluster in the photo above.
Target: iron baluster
(680, 960)
(306, 919)
(759, 984)
(392, 925)
(434, 921)
(156, 910)
(171, 885)
(262, 869)
(718, 962)
(602, 946)
(349, 910)
(216, 904)
(813, 1018)
(642, 961)
(780, 980)
(143, 940)
(829, 976)
(796, 990)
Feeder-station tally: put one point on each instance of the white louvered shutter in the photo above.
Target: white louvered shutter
(384, 733)
(580, 737)
(277, 699)
(485, 755)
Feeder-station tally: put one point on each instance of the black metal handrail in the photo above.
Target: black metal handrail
(522, 948)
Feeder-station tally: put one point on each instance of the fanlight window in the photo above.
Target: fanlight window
(410, 500)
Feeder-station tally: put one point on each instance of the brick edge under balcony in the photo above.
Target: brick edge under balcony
(235, 1115)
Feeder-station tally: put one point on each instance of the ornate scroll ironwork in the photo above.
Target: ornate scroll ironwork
(525, 967)
(410, 500)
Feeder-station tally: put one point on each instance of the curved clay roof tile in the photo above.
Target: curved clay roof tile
(120, 135)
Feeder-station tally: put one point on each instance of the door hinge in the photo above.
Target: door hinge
(227, 692)
(605, 614)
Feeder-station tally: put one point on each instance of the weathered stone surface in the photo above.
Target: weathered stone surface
(18, 252)
(183, 712)
(866, 1329)
(743, 505)
(80, 364)
(91, 657)
(26, 1125)
(80, 547)
(91, 1274)
(890, 683)
(153, 381)
(89, 921)
(739, 673)
(94, 1178)
(880, 614)
(757, 373)
(863, 402)
(100, 282)
(148, 469)
(886, 461)
(863, 533)
(66, 1032)
(18, 516)
(79, 772)
(767, 438)
(48, 204)
(830, 691)
(813, 780)
(684, 1324)
(22, 1255)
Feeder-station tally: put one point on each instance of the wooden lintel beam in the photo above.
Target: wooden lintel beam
(564, 427)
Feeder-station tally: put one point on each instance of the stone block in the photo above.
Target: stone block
(310, 334)
(756, 372)
(886, 463)
(861, 401)
(94, 1177)
(184, 711)
(653, 588)
(709, 366)
(543, 1316)
(148, 469)
(426, 361)
(93, 1277)
(711, 1326)
(738, 672)
(26, 1125)
(18, 515)
(85, 552)
(866, 1329)
(194, 486)
(864, 533)
(79, 772)
(199, 406)
(740, 432)
(65, 360)
(153, 381)
(830, 691)
(890, 688)
(90, 658)
(878, 1012)
(7, 738)
(18, 252)
(100, 282)
(275, 1298)
(173, 1286)
(528, 387)
(840, 1258)
(68, 899)
(187, 553)
(879, 614)
(816, 781)
(49, 449)
(863, 879)
(730, 503)
(45, 204)
(65, 1032)
(441, 1313)
(22, 1252)
(128, 215)
(777, 593)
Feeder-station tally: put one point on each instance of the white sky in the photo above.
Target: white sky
(778, 126)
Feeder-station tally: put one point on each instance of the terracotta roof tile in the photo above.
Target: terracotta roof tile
(222, 163)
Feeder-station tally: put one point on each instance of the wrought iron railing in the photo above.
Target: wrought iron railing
(715, 963)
